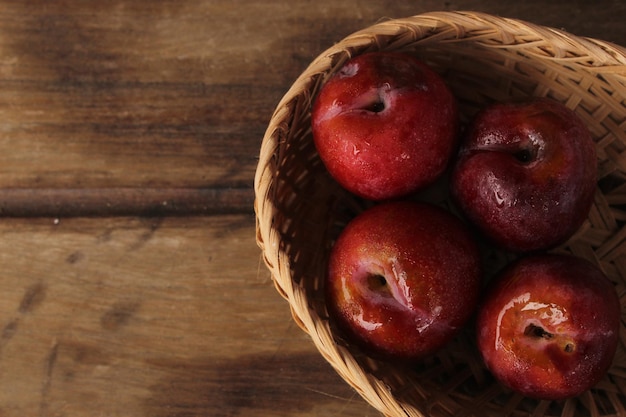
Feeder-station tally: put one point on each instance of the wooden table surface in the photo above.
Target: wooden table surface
(131, 282)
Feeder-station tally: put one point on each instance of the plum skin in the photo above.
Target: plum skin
(526, 174)
(403, 279)
(549, 326)
(385, 125)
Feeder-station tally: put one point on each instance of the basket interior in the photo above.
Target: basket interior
(301, 210)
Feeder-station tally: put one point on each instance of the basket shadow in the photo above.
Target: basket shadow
(278, 385)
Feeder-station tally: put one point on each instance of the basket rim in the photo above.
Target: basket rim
(600, 57)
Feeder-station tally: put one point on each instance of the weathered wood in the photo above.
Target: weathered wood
(153, 111)
(177, 94)
(154, 317)
(145, 201)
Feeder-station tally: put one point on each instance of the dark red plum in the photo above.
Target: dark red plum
(549, 326)
(403, 278)
(385, 125)
(526, 174)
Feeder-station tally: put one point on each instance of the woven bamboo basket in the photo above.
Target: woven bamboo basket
(300, 209)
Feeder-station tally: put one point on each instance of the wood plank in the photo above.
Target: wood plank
(118, 201)
(155, 317)
(151, 109)
(177, 94)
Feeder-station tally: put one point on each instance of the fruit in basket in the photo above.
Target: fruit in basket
(549, 326)
(403, 278)
(385, 125)
(526, 173)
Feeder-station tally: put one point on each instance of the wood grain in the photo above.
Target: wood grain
(121, 201)
(129, 134)
(174, 95)
(110, 331)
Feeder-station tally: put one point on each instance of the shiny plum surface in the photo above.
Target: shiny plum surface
(403, 278)
(385, 125)
(549, 326)
(526, 174)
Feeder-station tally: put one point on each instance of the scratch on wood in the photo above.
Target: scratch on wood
(74, 257)
(263, 275)
(49, 365)
(33, 297)
(143, 238)
(52, 358)
(8, 332)
(119, 314)
(327, 394)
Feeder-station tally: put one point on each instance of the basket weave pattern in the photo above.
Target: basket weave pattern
(300, 209)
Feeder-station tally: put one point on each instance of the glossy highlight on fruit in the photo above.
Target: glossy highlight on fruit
(549, 327)
(526, 174)
(385, 125)
(403, 278)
